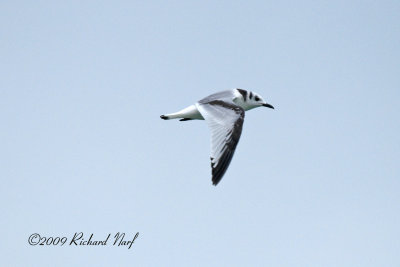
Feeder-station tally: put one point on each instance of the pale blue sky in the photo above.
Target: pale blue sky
(314, 182)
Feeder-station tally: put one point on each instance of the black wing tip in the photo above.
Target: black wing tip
(164, 117)
(216, 180)
(217, 174)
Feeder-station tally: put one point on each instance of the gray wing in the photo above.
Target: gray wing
(225, 121)
(226, 96)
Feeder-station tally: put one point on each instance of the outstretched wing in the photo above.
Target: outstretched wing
(225, 121)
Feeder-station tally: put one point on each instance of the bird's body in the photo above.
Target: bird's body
(224, 113)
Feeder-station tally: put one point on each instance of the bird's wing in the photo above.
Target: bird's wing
(226, 96)
(225, 121)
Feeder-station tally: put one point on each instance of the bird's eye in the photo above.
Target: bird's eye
(257, 98)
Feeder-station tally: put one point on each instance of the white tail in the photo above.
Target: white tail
(190, 112)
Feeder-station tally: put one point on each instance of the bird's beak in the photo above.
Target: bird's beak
(268, 105)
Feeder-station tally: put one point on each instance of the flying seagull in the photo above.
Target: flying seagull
(224, 114)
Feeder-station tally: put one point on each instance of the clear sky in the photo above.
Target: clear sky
(314, 182)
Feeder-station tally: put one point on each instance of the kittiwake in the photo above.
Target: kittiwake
(224, 114)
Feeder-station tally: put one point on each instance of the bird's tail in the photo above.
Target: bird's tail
(170, 116)
(164, 117)
(189, 113)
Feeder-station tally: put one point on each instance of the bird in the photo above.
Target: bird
(224, 114)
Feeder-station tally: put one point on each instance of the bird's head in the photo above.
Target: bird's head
(250, 100)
